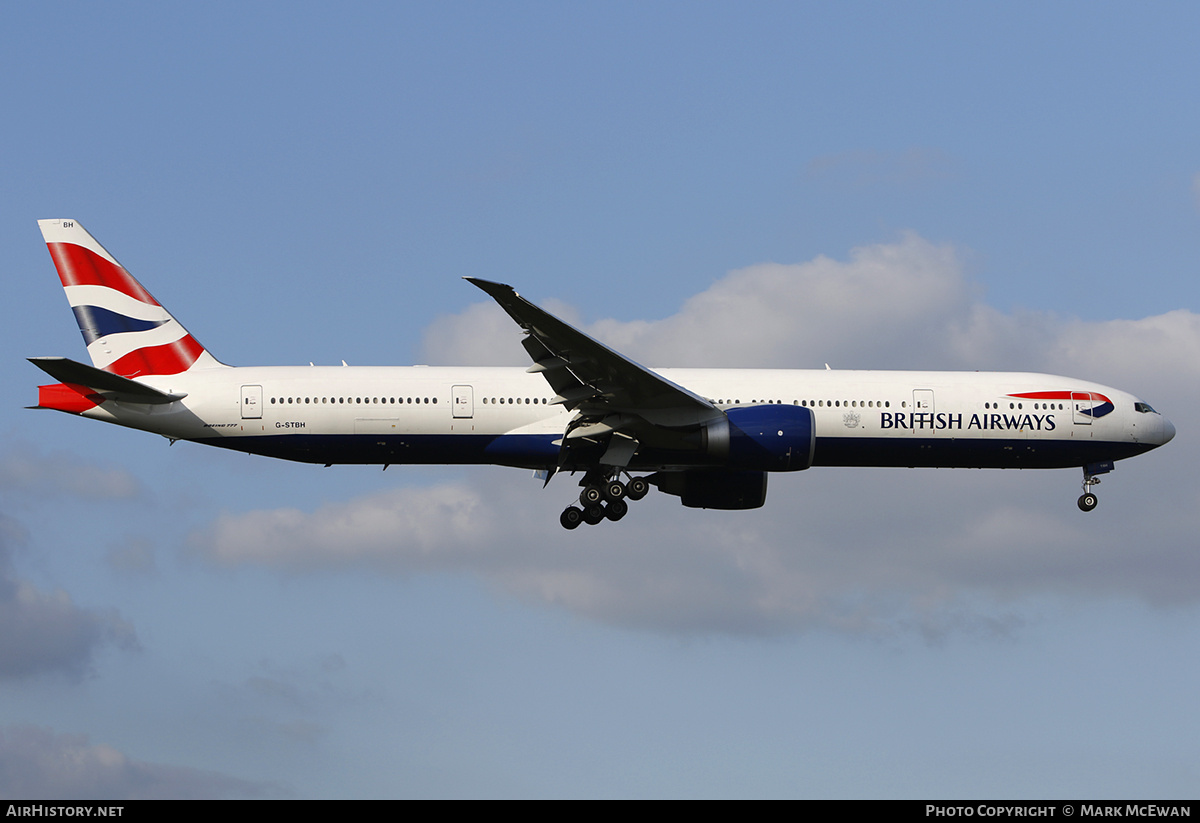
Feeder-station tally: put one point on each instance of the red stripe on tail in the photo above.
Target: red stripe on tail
(170, 358)
(78, 266)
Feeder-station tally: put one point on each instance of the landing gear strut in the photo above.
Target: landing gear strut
(1087, 500)
(603, 496)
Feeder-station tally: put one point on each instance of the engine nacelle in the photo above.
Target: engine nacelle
(773, 438)
(714, 488)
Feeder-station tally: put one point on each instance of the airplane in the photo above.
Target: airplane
(707, 436)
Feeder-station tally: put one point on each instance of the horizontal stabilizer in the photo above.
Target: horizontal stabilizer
(112, 386)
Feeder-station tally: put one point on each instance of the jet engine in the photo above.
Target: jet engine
(773, 438)
(714, 488)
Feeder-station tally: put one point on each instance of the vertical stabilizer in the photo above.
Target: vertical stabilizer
(127, 331)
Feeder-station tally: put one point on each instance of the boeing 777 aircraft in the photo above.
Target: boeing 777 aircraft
(707, 436)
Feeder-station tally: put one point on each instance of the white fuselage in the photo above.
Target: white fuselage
(422, 414)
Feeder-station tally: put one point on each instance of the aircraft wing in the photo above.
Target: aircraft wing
(591, 378)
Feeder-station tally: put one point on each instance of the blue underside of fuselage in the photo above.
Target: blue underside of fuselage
(937, 452)
(541, 451)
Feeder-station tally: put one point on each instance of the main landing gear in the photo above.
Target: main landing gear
(603, 497)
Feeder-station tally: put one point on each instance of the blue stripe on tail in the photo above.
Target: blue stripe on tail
(96, 322)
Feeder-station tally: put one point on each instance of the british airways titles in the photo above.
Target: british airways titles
(945, 420)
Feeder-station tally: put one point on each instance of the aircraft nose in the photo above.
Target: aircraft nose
(1168, 431)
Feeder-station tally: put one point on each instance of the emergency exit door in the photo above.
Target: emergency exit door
(464, 401)
(251, 402)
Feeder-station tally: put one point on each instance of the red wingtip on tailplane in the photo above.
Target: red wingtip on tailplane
(68, 397)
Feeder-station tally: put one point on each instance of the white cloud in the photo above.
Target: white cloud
(902, 305)
(857, 550)
(481, 335)
(25, 468)
(860, 550)
(45, 632)
(768, 315)
(38, 763)
(398, 529)
(775, 315)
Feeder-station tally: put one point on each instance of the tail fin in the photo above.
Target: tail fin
(127, 331)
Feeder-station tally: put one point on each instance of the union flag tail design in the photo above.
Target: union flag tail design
(127, 331)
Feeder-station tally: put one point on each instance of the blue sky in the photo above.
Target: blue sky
(870, 185)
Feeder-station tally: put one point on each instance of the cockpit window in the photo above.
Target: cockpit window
(1144, 408)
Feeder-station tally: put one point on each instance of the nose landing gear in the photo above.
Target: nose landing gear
(1091, 477)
